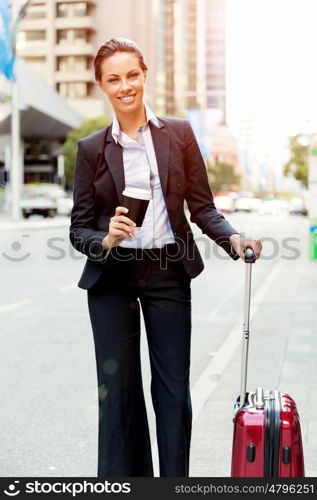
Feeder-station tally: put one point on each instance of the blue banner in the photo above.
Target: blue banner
(7, 57)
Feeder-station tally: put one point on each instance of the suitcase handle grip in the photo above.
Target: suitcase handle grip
(249, 256)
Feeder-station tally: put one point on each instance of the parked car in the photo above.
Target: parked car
(244, 202)
(271, 207)
(64, 202)
(224, 203)
(297, 206)
(45, 199)
(255, 204)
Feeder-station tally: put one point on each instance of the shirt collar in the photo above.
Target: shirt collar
(150, 117)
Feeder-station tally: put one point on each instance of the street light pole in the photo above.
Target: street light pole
(16, 166)
(312, 192)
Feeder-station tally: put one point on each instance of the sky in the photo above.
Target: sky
(272, 62)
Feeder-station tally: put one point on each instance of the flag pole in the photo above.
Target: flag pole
(16, 166)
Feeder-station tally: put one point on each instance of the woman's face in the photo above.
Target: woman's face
(123, 81)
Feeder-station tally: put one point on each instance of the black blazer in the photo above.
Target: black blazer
(99, 182)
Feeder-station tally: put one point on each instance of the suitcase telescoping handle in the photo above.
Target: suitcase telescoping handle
(249, 260)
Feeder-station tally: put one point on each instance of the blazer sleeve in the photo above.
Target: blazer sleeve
(83, 234)
(200, 199)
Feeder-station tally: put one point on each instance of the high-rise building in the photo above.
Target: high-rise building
(215, 37)
(191, 32)
(193, 54)
(258, 155)
(59, 39)
(183, 42)
(176, 56)
(169, 56)
(133, 19)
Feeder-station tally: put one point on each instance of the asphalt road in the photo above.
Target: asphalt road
(48, 395)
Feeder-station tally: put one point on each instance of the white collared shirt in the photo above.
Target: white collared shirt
(141, 171)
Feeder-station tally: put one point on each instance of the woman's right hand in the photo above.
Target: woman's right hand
(120, 227)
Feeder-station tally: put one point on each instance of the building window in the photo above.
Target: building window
(31, 36)
(72, 63)
(78, 89)
(216, 67)
(62, 36)
(213, 102)
(79, 9)
(80, 63)
(73, 90)
(62, 63)
(72, 36)
(80, 36)
(216, 82)
(62, 10)
(37, 63)
(37, 11)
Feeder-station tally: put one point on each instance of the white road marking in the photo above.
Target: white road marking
(214, 312)
(14, 305)
(210, 377)
(35, 224)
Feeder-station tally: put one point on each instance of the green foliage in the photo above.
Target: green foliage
(88, 127)
(221, 176)
(4, 97)
(297, 165)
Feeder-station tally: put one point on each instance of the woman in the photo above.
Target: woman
(152, 268)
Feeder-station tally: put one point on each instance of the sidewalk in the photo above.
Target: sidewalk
(282, 354)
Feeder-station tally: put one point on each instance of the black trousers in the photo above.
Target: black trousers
(160, 285)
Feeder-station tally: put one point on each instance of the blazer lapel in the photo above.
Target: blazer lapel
(161, 142)
(114, 159)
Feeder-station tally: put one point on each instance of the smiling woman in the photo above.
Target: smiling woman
(121, 75)
(153, 164)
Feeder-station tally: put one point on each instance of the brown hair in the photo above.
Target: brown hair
(112, 46)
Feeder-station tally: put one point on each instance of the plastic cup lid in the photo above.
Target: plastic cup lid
(138, 193)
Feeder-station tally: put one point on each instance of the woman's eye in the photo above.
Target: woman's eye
(133, 75)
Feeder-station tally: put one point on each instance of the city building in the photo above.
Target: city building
(183, 42)
(224, 148)
(59, 40)
(191, 77)
(259, 155)
(215, 57)
(45, 119)
(179, 78)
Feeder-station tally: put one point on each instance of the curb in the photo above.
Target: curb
(40, 224)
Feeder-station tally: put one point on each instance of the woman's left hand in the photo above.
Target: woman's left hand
(240, 244)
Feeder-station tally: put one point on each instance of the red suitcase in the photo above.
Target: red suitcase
(267, 438)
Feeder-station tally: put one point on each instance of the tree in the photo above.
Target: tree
(221, 175)
(88, 127)
(297, 165)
